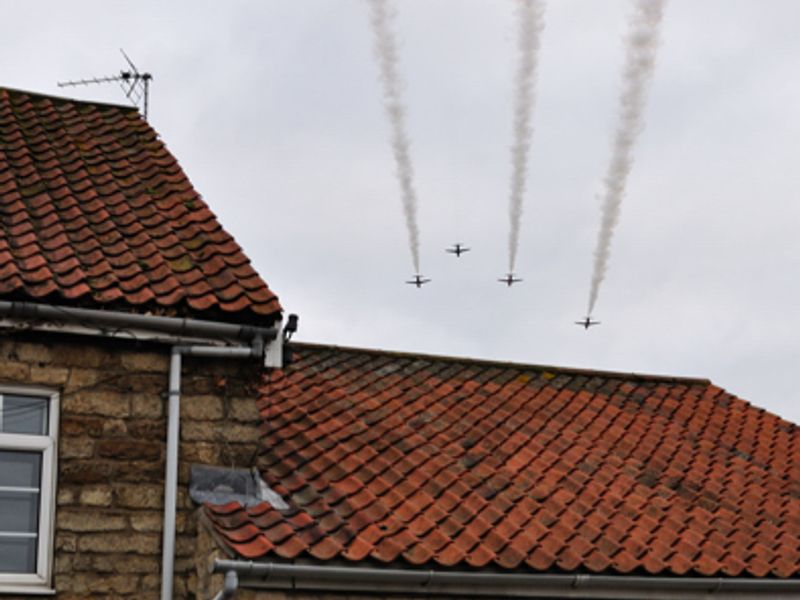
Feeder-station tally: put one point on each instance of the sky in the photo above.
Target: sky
(274, 110)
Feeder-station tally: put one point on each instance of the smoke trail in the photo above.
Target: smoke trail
(641, 47)
(386, 54)
(531, 22)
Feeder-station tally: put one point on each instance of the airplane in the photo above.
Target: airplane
(509, 279)
(458, 249)
(587, 322)
(419, 281)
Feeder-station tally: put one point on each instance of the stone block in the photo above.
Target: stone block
(81, 520)
(128, 449)
(65, 496)
(32, 352)
(96, 495)
(63, 563)
(47, 375)
(84, 356)
(152, 429)
(233, 432)
(204, 453)
(138, 543)
(139, 471)
(66, 542)
(85, 471)
(75, 447)
(208, 431)
(107, 584)
(91, 402)
(201, 408)
(126, 563)
(147, 521)
(80, 377)
(139, 495)
(114, 427)
(14, 372)
(145, 362)
(150, 406)
(78, 425)
(244, 409)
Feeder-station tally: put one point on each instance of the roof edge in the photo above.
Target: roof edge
(69, 99)
(466, 583)
(507, 364)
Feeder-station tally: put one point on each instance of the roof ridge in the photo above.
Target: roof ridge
(506, 363)
(12, 90)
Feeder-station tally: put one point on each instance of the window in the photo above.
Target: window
(28, 427)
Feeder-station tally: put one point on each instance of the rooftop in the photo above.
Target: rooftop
(389, 458)
(95, 212)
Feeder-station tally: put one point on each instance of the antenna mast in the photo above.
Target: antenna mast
(134, 84)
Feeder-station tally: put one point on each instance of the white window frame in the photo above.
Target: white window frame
(41, 581)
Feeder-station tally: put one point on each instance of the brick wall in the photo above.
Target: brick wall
(112, 442)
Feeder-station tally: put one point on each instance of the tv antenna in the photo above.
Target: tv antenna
(136, 85)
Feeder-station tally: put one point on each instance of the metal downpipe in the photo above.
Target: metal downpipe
(229, 587)
(171, 475)
(173, 443)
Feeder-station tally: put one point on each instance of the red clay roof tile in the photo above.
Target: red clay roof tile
(455, 462)
(93, 182)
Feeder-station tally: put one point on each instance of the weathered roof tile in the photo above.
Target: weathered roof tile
(93, 182)
(456, 462)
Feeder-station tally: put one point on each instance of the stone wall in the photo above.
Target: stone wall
(111, 444)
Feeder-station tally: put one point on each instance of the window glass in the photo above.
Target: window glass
(17, 555)
(24, 414)
(20, 469)
(19, 512)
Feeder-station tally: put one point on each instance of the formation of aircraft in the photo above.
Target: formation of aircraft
(587, 322)
(419, 281)
(458, 249)
(509, 279)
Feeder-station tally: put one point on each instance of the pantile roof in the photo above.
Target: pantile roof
(95, 211)
(418, 460)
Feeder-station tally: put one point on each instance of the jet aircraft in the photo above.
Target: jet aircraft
(587, 322)
(509, 279)
(458, 249)
(419, 281)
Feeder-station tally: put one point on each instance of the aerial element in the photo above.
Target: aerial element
(587, 322)
(531, 22)
(419, 281)
(381, 15)
(458, 249)
(509, 279)
(642, 44)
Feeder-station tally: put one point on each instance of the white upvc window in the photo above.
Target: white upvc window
(28, 444)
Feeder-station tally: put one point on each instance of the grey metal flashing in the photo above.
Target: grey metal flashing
(501, 585)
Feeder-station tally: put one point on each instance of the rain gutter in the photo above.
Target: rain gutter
(511, 585)
(109, 320)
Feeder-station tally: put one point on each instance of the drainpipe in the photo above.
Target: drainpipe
(229, 587)
(256, 350)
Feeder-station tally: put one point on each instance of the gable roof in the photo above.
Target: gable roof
(420, 460)
(95, 211)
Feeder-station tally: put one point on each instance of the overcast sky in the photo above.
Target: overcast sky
(273, 108)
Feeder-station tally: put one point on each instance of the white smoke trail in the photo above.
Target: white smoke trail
(531, 23)
(641, 47)
(381, 16)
